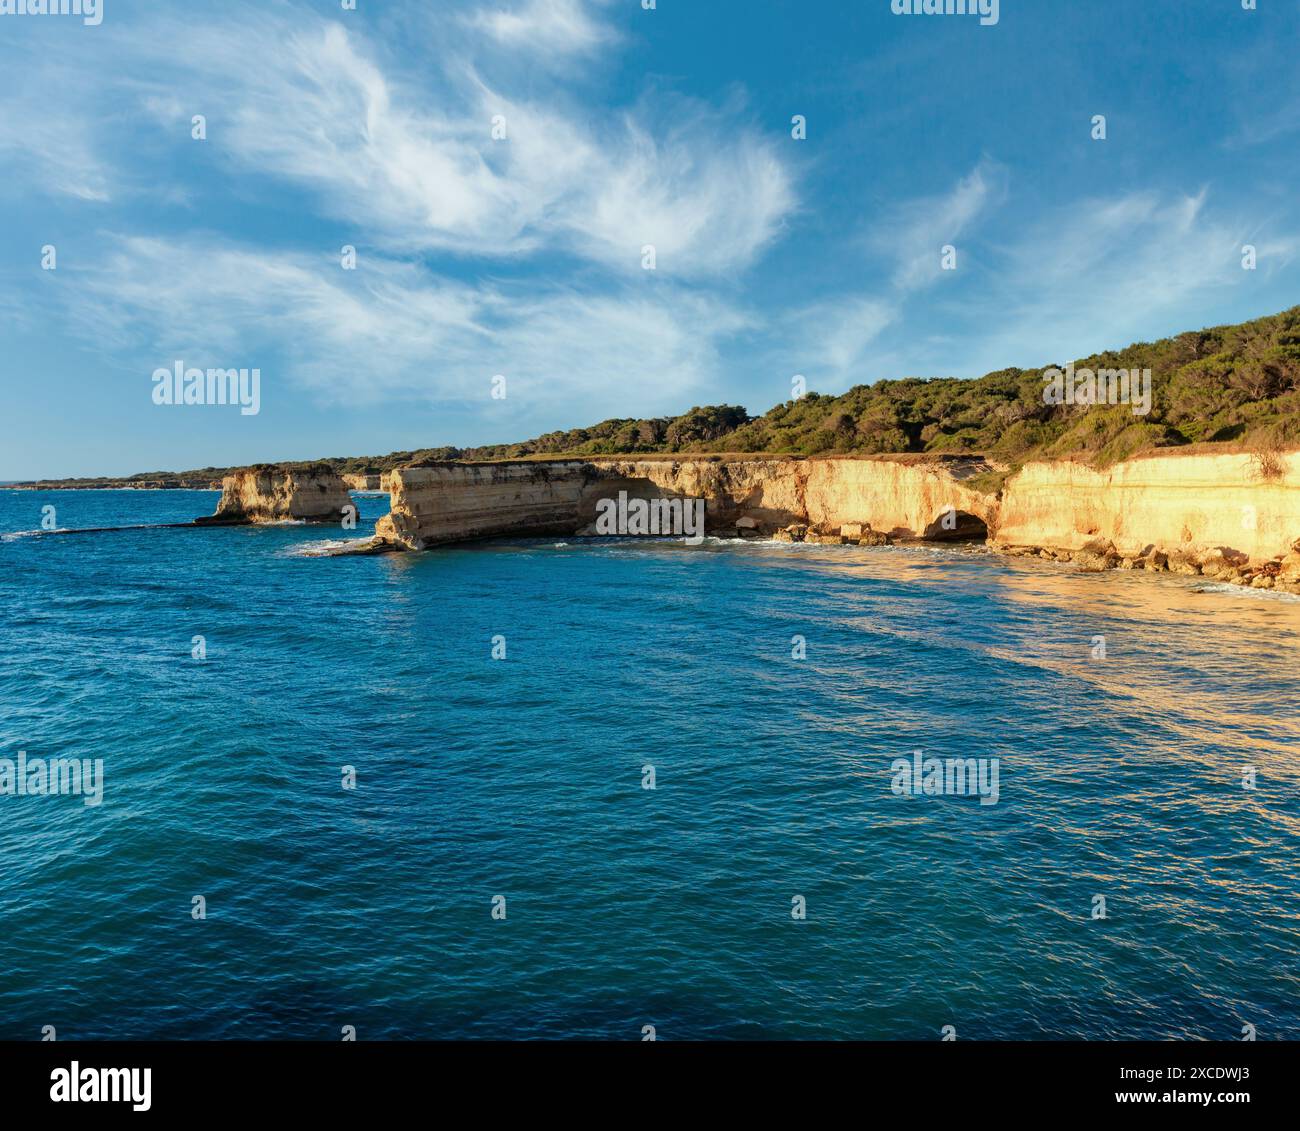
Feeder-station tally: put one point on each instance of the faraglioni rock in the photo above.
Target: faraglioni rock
(271, 494)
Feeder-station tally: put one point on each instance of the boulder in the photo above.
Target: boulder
(1289, 571)
(1222, 562)
(1096, 556)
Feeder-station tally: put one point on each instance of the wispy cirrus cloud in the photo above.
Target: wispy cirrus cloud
(390, 328)
(414, 158)
(838, 340)
(918, 230)
(564, 27)
(1102, 272)
(61, 154)
(1091, 274)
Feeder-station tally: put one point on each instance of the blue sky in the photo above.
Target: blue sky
(624, 127)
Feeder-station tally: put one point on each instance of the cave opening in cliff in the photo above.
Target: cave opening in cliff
(957, 526)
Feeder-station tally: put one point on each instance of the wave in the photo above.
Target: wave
(322, 548)
(14, 535)
(1246, 591)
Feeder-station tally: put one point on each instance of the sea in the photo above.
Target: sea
(613, 789)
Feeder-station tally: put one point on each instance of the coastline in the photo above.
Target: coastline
(1216, 514)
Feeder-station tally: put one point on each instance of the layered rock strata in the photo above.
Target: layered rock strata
(268, 495)
(839, 499)
(1230, 517)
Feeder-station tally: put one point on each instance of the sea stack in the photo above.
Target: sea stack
(267, 494)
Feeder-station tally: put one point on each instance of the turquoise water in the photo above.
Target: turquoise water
(522, 777)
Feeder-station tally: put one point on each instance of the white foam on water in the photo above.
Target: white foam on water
(1245, 591)
(13, 536)
(322, 548)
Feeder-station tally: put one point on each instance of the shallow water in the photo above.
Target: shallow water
(523, 777)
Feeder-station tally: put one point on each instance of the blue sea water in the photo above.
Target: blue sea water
(523, 778)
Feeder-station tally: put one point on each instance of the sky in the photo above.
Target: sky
(501, 168)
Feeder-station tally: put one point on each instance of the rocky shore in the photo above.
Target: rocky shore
(1226, 517)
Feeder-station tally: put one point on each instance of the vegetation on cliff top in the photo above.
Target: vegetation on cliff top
(1238, 386)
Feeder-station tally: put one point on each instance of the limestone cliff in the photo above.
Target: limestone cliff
(1234, 517)
(453, 502)
(897, 498)
(1173, 501)
(264, 495)
(360, 482)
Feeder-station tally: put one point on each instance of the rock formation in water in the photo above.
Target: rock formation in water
(1230, 517)
(270, 494)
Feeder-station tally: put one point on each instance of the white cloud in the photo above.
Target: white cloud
(408, 154)
(390, 329)
(53, 145)
(1097, 274)
(1088, 275)
(829, 342)
(545, 27)
(922, 228)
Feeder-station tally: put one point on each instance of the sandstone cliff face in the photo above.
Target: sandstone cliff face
(262, 496)
(1191, 503)
(452, 502)
(1224, 516)
(1221, 516)
(898, 498)
(359, 482)
(903, 499)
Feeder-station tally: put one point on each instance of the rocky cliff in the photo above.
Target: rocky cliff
(263, 495)
(1233, 517)
(893, 498)
(359, 482)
